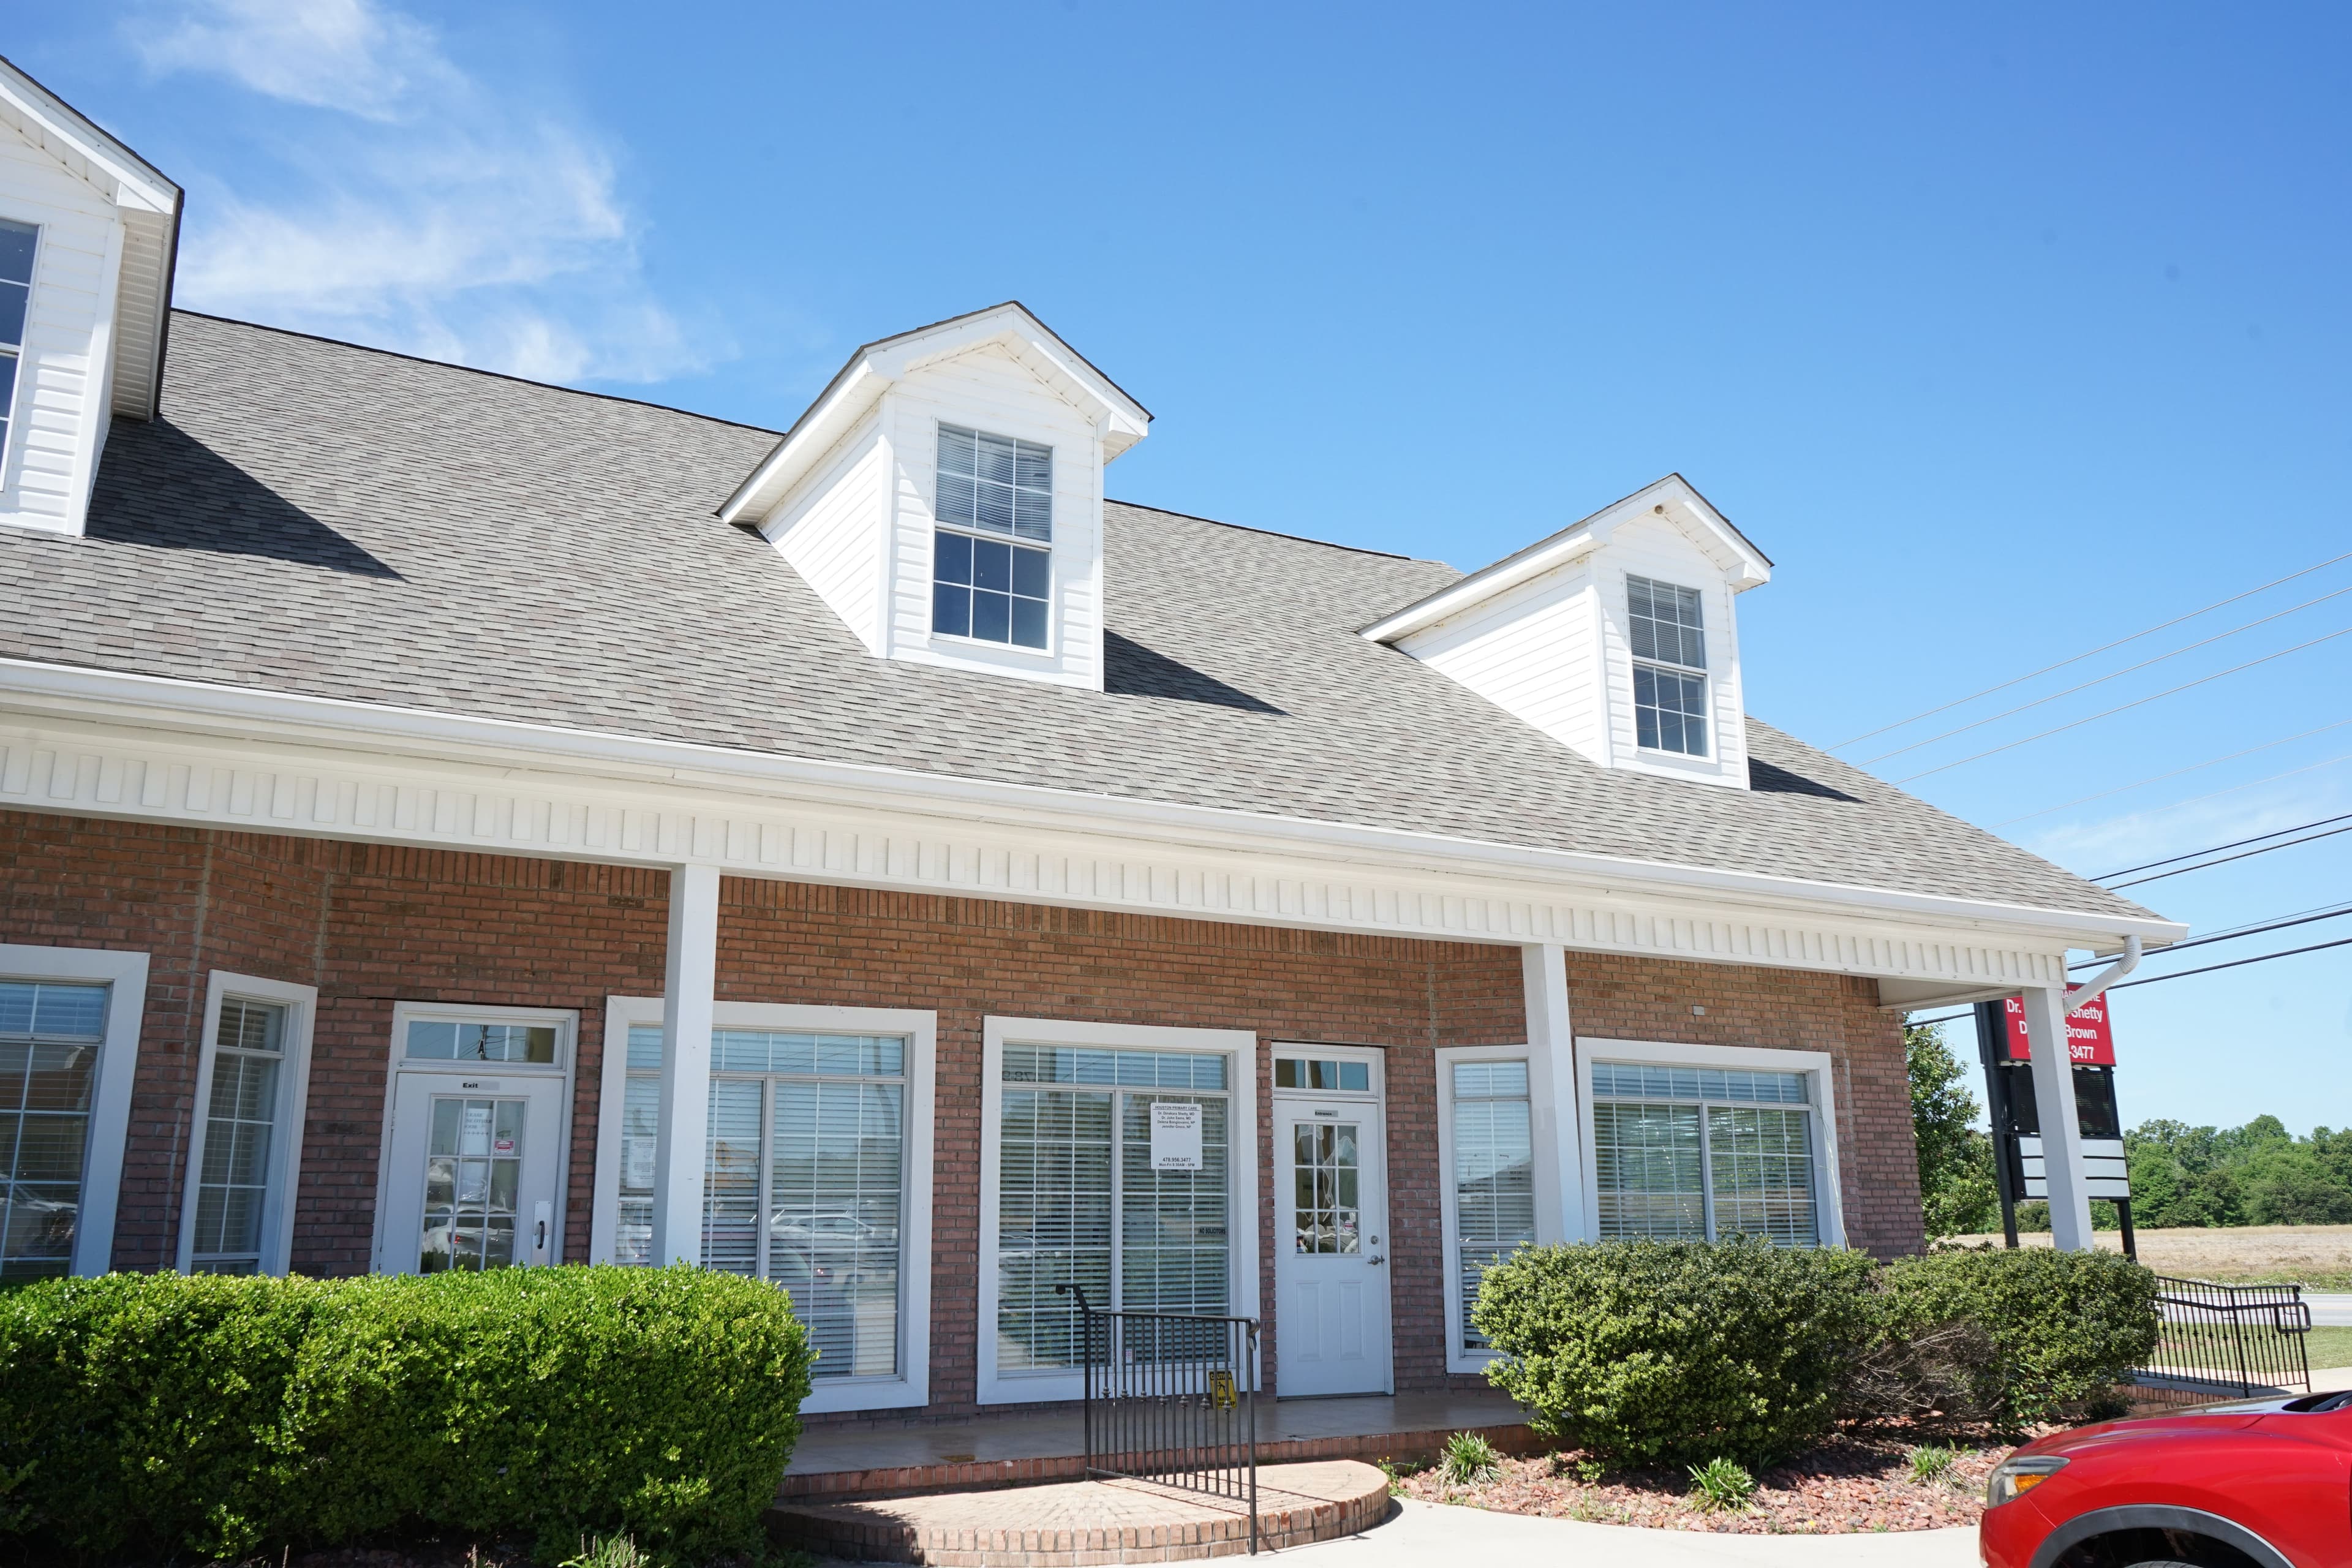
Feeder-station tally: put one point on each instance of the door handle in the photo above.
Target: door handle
(1376, 1262)
(542, 1217)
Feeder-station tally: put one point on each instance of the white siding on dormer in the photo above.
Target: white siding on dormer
(986, 388)
(1663, 553)
(1529, 652)
(61, 414)
(830, 529)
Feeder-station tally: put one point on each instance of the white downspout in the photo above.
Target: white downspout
(2087, 993)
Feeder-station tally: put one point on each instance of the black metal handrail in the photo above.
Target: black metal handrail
(1171, 1397)
(2215, 1340)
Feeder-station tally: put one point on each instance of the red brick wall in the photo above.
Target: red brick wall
(369, 925)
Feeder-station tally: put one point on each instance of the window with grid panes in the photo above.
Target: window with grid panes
(1078, 1202)
(1493, 1174)
(1691, 1153)
(240, 1134)
(1669, 643)
(990, 580)
(804, 1183)
(18, 243)
(49, 1040)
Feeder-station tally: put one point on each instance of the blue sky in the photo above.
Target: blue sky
(2005, 332)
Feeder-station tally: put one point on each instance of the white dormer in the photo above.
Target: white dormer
(1616, 635)
(88, 230)
(944, 496)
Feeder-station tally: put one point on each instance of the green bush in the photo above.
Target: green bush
(1645, 1352)
(165, 1414)
(2063, 1327)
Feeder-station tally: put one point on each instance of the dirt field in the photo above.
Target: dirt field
(2319, 1255)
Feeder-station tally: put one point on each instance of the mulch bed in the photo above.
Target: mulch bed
(1854, 1482)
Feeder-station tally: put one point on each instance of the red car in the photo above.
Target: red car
(2259, 1483)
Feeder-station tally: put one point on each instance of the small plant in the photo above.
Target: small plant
(1469, 1459)
(608, 1552)
(1933, 1462)
(1720, 1485)
(1582, 1466)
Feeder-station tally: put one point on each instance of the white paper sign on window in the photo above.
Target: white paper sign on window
(1175, 1135)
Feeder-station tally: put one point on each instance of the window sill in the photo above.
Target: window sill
(950, 640)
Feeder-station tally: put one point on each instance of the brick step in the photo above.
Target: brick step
(1079, 1524)
(982, 1475)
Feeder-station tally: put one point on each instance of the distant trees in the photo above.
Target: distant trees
(2259, 1173)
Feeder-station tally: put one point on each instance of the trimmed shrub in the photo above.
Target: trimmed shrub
(2063, 1326)
(167, 1413)
(1678, 1352)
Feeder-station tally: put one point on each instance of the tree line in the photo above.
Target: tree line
(2259, 1173)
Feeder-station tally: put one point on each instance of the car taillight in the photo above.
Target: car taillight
(2018, 1475)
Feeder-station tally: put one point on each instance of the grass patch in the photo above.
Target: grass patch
(2328, 1344)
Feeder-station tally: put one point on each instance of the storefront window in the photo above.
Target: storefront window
(1691, 1153)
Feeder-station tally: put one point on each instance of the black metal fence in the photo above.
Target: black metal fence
(1171, 1397)
(2227, 1341)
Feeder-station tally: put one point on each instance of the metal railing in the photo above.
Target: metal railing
(2227, 1341)
(1171, 1397)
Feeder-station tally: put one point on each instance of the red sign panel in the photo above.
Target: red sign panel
(2088, 1041)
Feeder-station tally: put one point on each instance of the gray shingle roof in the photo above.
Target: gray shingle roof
(316, 517)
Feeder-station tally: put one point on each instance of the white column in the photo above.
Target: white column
(1551, 1094)
(680, 1150)
(2061, 1134)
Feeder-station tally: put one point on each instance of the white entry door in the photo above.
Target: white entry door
(475, 1164)
(1332, 1252)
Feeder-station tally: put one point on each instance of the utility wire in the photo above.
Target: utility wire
(2225, 859)
(2103, 679)
(2177, 975)
(2216, 849)
(2125, 707)
(2193, 767)
(2045, 670)
(2303, 920)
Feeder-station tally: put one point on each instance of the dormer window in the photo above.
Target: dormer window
(17, 245)
(1669, 667)
(995, 493)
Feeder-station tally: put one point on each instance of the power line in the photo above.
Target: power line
(2243, 855)
(2125, 707)
(2217, 848)
(2193, 767)
(2103, 647)
(2301, 919)
(2177, 975)
(2100, 681)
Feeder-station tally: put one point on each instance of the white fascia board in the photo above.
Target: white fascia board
(874, 368)
(515, 748)
(1748, 566)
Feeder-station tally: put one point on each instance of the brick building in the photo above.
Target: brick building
(452, 822)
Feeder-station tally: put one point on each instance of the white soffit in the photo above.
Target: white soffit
(875, 367)
(149, 204)
(1673, 497)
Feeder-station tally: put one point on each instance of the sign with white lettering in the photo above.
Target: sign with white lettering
(1175, 1135)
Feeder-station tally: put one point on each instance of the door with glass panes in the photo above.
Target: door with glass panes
(1331, 1252)
(475, 1156)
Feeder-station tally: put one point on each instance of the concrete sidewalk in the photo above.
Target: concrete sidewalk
(1418, 1534)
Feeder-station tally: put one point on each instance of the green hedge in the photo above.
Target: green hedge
(2063, 1327)
(1678, 1352)
(155, 1415)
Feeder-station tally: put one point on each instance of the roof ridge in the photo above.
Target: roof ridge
(1270, 533)
(469, 368)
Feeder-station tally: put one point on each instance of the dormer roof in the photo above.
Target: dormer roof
(149, 204)
(1673, 499)
(878, 365)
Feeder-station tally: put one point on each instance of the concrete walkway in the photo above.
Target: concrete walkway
(1418, 1534)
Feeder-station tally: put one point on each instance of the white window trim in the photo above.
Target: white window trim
(1827, 1202)
(911, 1389)
(125, 976)
(1546, 1174)
(567, 1037)
(301, 1005)
(12, 449)
(1240, 1048)
(1052, 652)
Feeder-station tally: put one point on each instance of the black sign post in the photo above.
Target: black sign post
(2011, 1108)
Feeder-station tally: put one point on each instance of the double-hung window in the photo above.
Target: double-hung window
(1699, 1154)
(1492, 1143)
(243, 1158)
(18, 243)
(50, 1038)
(1669, 640)
(992, 561)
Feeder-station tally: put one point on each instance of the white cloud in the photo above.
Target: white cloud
(409, 205)
(2102, 846)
